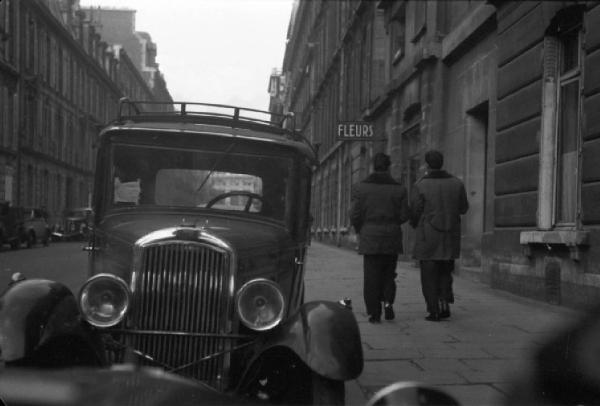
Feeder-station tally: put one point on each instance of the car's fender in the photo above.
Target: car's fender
(40, 325)
(324, 335)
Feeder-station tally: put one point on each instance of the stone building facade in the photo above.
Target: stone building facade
(117, 27)
(60, 82)
(505, 89)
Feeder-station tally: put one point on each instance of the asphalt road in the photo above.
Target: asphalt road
(64, 262)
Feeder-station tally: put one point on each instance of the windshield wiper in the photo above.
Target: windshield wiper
(214, 167)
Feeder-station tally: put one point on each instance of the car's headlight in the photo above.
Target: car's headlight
(260, 304)
(104, 300)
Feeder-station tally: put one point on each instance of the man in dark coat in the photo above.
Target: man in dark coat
(379, 207)
(437, 202)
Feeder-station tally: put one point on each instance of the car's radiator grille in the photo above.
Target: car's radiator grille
(182, 287)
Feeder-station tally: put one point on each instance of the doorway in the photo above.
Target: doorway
(476, 161)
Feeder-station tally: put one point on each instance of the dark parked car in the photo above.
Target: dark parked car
(76, 224)
(197, 263)
(12, 230)
(36, 227)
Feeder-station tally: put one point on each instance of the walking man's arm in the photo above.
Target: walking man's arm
(404, 207)
(417, 205)
(463, 205)
(356, 211)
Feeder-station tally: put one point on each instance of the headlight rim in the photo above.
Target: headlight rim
(122, 314)
(279, 316)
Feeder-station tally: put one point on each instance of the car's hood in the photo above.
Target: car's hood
(83, 386)
(238, 232)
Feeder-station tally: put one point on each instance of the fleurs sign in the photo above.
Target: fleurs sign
(355, 131)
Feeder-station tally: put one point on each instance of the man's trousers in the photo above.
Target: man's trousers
(436, 282)
(379, 281)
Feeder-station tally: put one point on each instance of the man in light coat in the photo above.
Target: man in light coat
(379, 207)
(437, 202)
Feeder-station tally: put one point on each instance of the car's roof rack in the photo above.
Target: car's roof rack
(203, 113)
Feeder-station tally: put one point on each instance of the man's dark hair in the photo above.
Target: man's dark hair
(434, 159)
(381, 162)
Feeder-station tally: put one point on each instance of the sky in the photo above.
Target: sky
(214, 51)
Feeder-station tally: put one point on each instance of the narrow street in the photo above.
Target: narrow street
(65, 262)
(473, 355)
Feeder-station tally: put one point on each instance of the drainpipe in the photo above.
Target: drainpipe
(341, 150)
(339, 196)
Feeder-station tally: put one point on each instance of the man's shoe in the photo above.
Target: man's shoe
(374, 320)
(389, 312)
(433, 317)
(444, 309)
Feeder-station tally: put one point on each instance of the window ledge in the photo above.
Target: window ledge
(575, 240)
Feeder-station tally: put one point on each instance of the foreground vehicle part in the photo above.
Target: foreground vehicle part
(411, 394)
(40, 326)
(101, 387)
(152, 387)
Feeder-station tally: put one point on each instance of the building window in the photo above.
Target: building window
(60, 70)
(420, 16)
(30, 186)
(42, 140)
(58, 148)
(4, 16)
(411, 145)
(3, 115)
(45, 187)
(4, 21)
(561, 121)
(569, 117)
(31, 43)
(398, 33)
(48, 65)
(58, 194)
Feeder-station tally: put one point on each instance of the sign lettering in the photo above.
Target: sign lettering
(355, 131)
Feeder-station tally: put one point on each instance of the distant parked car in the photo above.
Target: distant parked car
(76, 224)
(36, 226)
(11, 226)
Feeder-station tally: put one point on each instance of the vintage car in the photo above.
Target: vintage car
(12, 231)
(196, 263)
(75, 225)
(36, 226)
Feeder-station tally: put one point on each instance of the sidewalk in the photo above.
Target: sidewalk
(471, 356)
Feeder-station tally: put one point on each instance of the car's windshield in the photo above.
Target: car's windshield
(218, 180)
